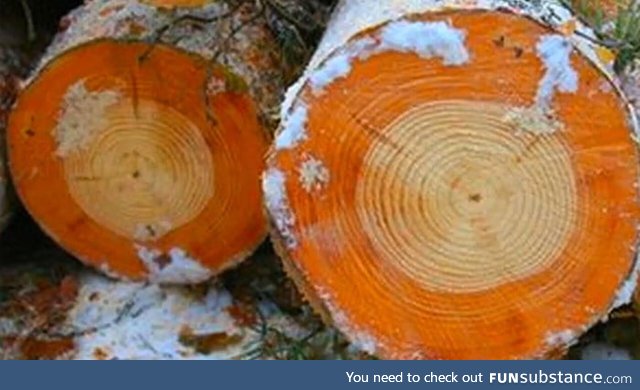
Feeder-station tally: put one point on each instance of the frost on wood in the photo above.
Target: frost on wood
(174, 267)
(294, 129)
(555, 52)
(562, 339)
(359, 339)
(353, 17)
(119, 320)
(624, 296)
(340, 65)
(313, 174)
(277, 203)
(427, 39)
(335, 68)
(82, 117)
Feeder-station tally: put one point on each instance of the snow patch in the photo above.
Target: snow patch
(294, 129)
(82, 117)
(313, 175)
(340, 65)
(120, 320)
(427, 39)
(555, 52)
(174, 267)
(625, 294)
(335, 68)
(277, 203)
(563, 338)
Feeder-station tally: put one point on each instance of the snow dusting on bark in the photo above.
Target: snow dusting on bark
(563, 339)
(275, 194)
(426, 39)
(625, 294)
(360, 339)
(293, 129)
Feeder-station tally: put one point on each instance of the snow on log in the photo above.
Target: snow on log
(138, 142)
(444, 184)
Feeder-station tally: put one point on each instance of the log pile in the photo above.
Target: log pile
(449, 180)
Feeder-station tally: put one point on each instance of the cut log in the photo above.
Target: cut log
(454, 180)
(138, 143)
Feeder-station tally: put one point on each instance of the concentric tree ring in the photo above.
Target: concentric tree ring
(461, 197)
(136, 165)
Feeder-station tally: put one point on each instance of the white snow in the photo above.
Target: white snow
(563, 338)
(313, 174)
(427, 39)
(175, 267)
(625, 294)
(275, 195)
(120, 320)
(335, 68)
(340, 65)
(293, 129)
(555, 51)
(359, 338)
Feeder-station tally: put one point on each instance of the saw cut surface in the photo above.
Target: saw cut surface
(444, 187)
(452, 180)
(140, 162)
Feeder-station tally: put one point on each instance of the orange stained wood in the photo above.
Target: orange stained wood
(442, 230)
(121, 152)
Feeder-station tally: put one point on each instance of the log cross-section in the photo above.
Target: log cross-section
(456, 181)
(139, 141)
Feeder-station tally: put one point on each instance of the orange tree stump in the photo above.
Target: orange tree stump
(456, 182)
(139, 142)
